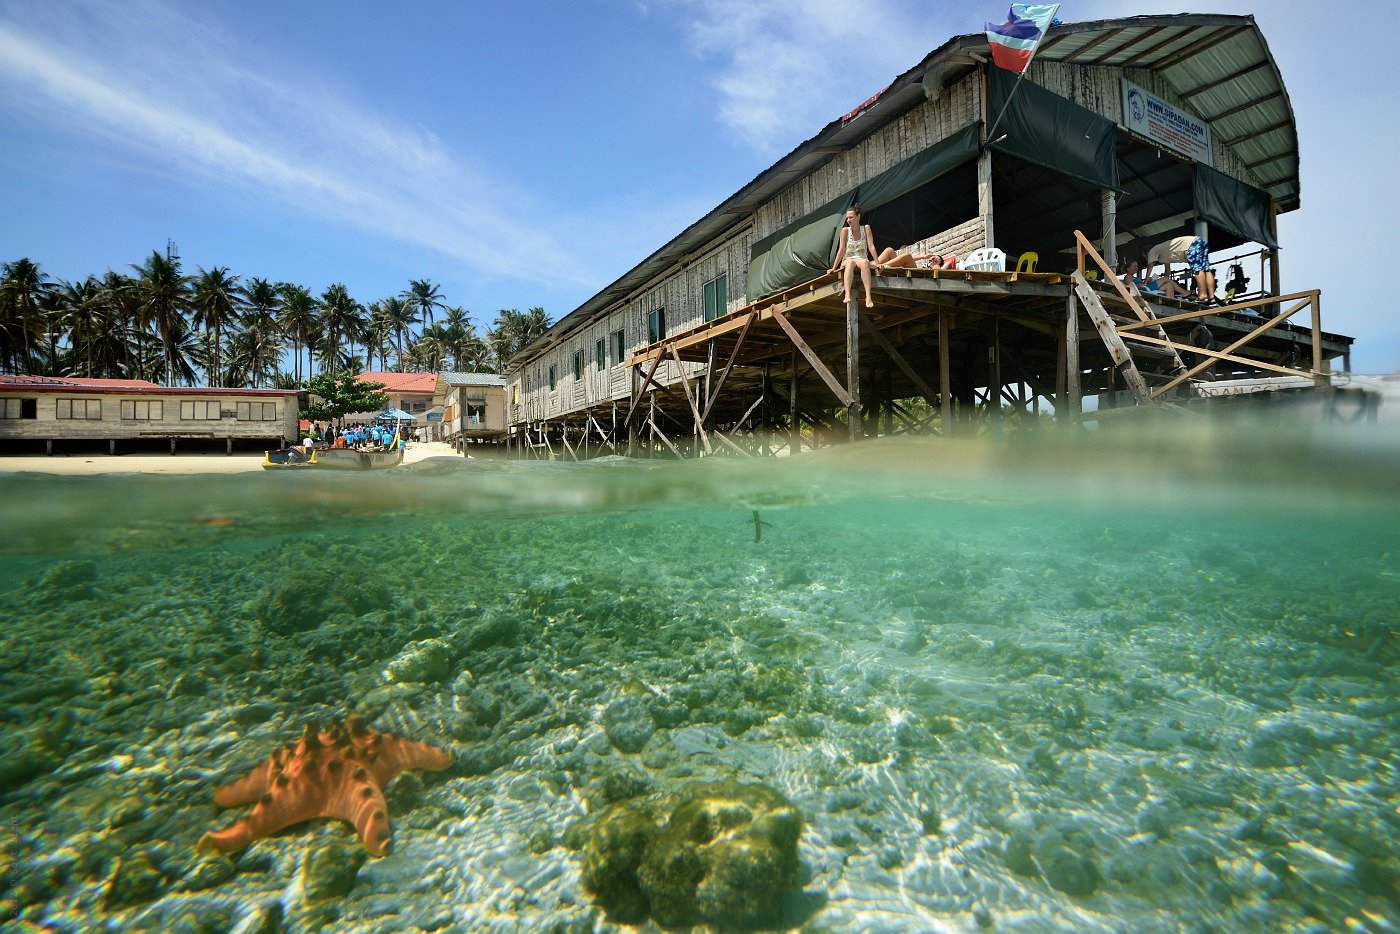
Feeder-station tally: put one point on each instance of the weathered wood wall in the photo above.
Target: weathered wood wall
(932, 121)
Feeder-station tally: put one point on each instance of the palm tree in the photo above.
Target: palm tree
(401, 316)
(377, 333)
(429, 350)
(260, 344)
(217, 300)
(181, 352)
(163, 294)
(340, 316)
(97, 344)
(123, 308)
(423, 296)
(297, 317)
(514, 330)
(23, 291)
(463, 345)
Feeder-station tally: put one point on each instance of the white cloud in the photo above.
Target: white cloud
(786, 70)
(174, 89)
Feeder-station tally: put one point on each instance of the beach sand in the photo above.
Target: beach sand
(211, 463)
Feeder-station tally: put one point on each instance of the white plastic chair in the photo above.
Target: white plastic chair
(988, 258)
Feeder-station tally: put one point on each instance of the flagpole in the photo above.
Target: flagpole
(991, 133)
(1001, 113)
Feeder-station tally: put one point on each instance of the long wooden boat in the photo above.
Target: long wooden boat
(288, 459)
(354, 459)
(332, 459)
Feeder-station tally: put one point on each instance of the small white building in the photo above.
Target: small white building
(82, 411)
(473, 408)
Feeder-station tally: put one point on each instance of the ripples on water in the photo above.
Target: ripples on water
(1168, 652)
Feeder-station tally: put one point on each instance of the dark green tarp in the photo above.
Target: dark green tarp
(1229, 203)
(800, 251)
(900, 204)
(1042, 127)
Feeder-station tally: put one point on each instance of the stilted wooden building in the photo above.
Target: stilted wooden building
(80, 412)
(733, 338)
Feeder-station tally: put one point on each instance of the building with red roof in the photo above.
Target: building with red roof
(412, 392)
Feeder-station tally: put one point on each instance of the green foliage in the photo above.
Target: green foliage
(335, 395)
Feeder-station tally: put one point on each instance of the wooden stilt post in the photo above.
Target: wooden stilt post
(765, 446)
(1321, 371)
(945, 378)
(48, 446)
(966, 391)
(228, 447)
(994, 376)
(795, 423)
(112, 446)
(889, 401)
(711, 358)
(853, 365)
(172, 447)
(631, 423)
(1072, 397)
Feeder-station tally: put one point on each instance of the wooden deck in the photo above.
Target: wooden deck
(798, 368)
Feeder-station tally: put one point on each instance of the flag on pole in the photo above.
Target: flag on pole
(1015, 41)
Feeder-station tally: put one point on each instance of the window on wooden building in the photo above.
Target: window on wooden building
(578, 364)
(716, 296)
(601, 353)
(19, 408)
(257, 411)
(89, 409)
(203, 410)
(553, 382)
(656, 325)
(142, 410)
(619, 345)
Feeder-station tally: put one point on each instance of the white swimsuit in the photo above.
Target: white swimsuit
(855, 246)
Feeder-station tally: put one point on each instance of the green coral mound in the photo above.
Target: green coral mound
(718, 853)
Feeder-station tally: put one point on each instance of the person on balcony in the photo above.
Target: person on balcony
(1192, 251)
(890, 258)
(856, 250)
(1163, 285)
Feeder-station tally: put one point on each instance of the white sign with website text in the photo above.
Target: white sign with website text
(1148, 115)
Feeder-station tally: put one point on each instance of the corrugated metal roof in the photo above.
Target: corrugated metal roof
(1219, 63)
(473, 379)
(1220, 66)
(90, 381)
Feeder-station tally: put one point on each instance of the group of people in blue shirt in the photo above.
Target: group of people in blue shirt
(374, 435)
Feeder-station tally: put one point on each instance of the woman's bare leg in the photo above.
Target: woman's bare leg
(846, 274)
(886, 257)
(865, 278)
(898, 261)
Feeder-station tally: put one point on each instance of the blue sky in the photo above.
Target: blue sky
(528, 154)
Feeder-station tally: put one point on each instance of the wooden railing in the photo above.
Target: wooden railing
(1147, 321)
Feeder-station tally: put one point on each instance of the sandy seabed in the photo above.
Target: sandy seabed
(203, 463)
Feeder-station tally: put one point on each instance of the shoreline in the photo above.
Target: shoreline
(92, 465)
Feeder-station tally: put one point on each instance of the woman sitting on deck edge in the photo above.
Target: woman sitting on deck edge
(856, 250)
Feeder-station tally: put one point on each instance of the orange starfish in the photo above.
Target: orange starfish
(339, 772)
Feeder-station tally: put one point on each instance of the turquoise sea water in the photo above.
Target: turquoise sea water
(1139, 682)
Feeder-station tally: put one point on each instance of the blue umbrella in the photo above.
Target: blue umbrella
(393, 415)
